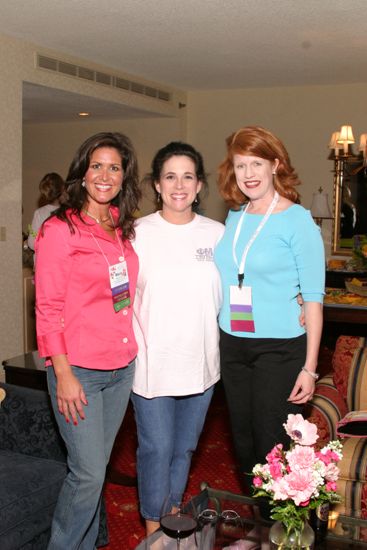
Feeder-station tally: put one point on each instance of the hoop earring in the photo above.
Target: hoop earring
(196, 199)
(83, 183)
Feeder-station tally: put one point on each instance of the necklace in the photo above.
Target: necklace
(99, 221)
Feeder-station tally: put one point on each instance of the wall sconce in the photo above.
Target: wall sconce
(346, 165)
(344, 138)
(320, 209)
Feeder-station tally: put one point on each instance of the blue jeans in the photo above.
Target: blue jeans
(89, 445)
(168, 432)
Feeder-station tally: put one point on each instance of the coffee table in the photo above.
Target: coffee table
(345, 535)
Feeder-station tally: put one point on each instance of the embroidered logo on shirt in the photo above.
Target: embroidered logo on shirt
(204, 254)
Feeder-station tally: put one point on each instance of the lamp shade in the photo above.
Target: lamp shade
(320, 205)
(334, 141)
(346, 135)
(363, 142)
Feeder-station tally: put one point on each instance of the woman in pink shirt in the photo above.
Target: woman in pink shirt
(86, 273)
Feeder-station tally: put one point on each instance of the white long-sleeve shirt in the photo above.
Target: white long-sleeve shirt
(177, 301)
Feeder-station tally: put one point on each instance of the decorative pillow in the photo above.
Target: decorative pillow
(354, 424)
(347, 352)
(357, 381)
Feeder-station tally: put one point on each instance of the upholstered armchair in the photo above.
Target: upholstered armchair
(32, 469)
(343, 390)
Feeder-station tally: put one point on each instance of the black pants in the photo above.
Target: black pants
(258, 376)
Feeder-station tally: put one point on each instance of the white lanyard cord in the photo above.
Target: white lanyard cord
(99, 246)
(241, 266)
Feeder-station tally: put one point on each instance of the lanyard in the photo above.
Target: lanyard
(103, 254)
(241, 266)
(100, 248)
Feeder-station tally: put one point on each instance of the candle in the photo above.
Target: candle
(332, 519)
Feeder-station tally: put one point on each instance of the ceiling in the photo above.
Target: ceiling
(203, 44)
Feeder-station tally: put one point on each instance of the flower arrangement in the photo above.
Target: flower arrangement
(300, 479)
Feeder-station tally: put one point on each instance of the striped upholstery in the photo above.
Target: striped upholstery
(357, 381)
(352, 483)
(344, 390)
(328, 407)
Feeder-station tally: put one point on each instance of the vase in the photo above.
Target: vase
(303, 539)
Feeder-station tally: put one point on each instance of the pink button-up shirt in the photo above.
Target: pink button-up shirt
(75, 314)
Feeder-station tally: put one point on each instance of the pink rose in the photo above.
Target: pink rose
(301, 458)
(301, 486)
(275, 454)
(327, 456)
(332, 472)
(275, 470)
(257, 481)
(330, 486)
(280, 489)
(300, 430)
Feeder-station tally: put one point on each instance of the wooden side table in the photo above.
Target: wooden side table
(26, 370)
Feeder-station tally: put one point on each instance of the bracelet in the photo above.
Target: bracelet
(314, 375)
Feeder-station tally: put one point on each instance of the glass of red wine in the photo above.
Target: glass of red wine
(179, 518)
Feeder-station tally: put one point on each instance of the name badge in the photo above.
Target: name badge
(119, 281)
(241, 314)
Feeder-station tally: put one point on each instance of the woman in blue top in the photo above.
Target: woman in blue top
(270, 252)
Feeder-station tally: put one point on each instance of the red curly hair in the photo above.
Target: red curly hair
(259, 142)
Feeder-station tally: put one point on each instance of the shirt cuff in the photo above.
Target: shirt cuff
(51, 344)
(313, 297)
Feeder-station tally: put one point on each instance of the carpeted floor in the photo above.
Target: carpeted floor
(213, 462)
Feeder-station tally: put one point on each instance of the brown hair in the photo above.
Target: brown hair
(177, 149)
(51, 188)
(129, 195)
(259, 142)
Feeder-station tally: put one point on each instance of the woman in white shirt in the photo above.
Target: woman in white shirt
(51, 188)
(177, 301)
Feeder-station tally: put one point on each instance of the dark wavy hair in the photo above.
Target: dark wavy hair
(177, 149)
(128, 197)
(259, 142)
(51, 188)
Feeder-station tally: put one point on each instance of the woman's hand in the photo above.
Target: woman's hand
(70, 397)
(303, 389)
(69, 391)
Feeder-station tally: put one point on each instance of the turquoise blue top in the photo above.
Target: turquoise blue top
(286, 258)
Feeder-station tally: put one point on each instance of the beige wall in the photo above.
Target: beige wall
(11, 331)
(303, 117)
(17, 65)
